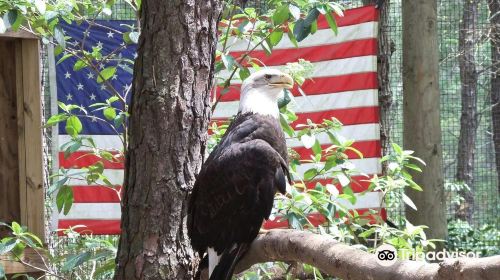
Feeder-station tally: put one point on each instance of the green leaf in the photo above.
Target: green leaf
(7, 246)
(244, 73)
(228, 61)
(106, 74)
(79, 65)
(331, 22)
(109, 113)
(73, 126)
(301, 30)
(131, 37)
(16, 228)
(349, 194)
(275, 37)
(73, 261)
(40, 6)
(367, 233)
(64, 57)
(56, 119)
(59, 36)
(309, 174)
(2, 272)
(291, 36)
(409, 202)
(317, 148)
(280, 15)
(64, 199)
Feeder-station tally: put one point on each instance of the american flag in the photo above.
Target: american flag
(344, 85)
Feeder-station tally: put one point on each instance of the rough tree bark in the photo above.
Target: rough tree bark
(494, 6)
(468, 37)
(343, 261)
(168, 124)
(385, 50)
(422, 127)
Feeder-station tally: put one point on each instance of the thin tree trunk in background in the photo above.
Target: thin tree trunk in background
(168, 130)
(385, 50)
(421, 118)
(494, 6)
(467, 41)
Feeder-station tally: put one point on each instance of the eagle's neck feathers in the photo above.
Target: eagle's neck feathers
(258, 101)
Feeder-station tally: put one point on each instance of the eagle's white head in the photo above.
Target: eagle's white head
(260, 92)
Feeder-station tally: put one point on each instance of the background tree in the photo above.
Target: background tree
(467, 40)
(422, 128)
(494, 6)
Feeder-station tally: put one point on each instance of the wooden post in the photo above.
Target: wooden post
(422, 128)
(21, 164)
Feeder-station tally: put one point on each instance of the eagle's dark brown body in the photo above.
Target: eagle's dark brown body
(235, 188)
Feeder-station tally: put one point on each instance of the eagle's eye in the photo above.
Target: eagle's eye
(267, 76)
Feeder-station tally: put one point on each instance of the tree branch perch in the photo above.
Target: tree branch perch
(346, 262)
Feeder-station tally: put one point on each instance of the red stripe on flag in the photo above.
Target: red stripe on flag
(318, 219)
(92, 226)
(82, 159)
(369, 149)
(321, 85)
(95, 194)
(314, 54)
(350, 116)
(351, 17)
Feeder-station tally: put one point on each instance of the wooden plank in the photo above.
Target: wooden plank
(32, 208)
(21, 34)
(30, 256)
(9, 169)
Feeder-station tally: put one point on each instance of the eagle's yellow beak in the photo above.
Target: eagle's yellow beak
(282, 81)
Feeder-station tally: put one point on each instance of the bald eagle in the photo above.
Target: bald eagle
(234, 191)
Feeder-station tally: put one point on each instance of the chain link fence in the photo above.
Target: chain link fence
(483, 186)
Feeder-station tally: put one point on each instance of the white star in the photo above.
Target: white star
(93, 119)
(122, 44)
(114, 77)
(103, 87)
(86, 33)
(101, 66)
(69, 96)
(99, 44)
(67, 75)
(82, 108)
(110, 34)
(127, 87)
(92, 96)
(90, 75)
(79, 86)
(135, 55)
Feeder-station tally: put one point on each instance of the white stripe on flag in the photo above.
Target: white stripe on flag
(328, 68)
(314, 103)
(115, 176)
(360, 31)
(368, 166)
(358, 132)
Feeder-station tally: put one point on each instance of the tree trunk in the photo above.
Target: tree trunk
(170, 110)
(469, 119)
(494, 6)
(385, 49)
(422, 127)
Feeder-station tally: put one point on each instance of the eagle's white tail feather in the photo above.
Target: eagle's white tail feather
(213, 260)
